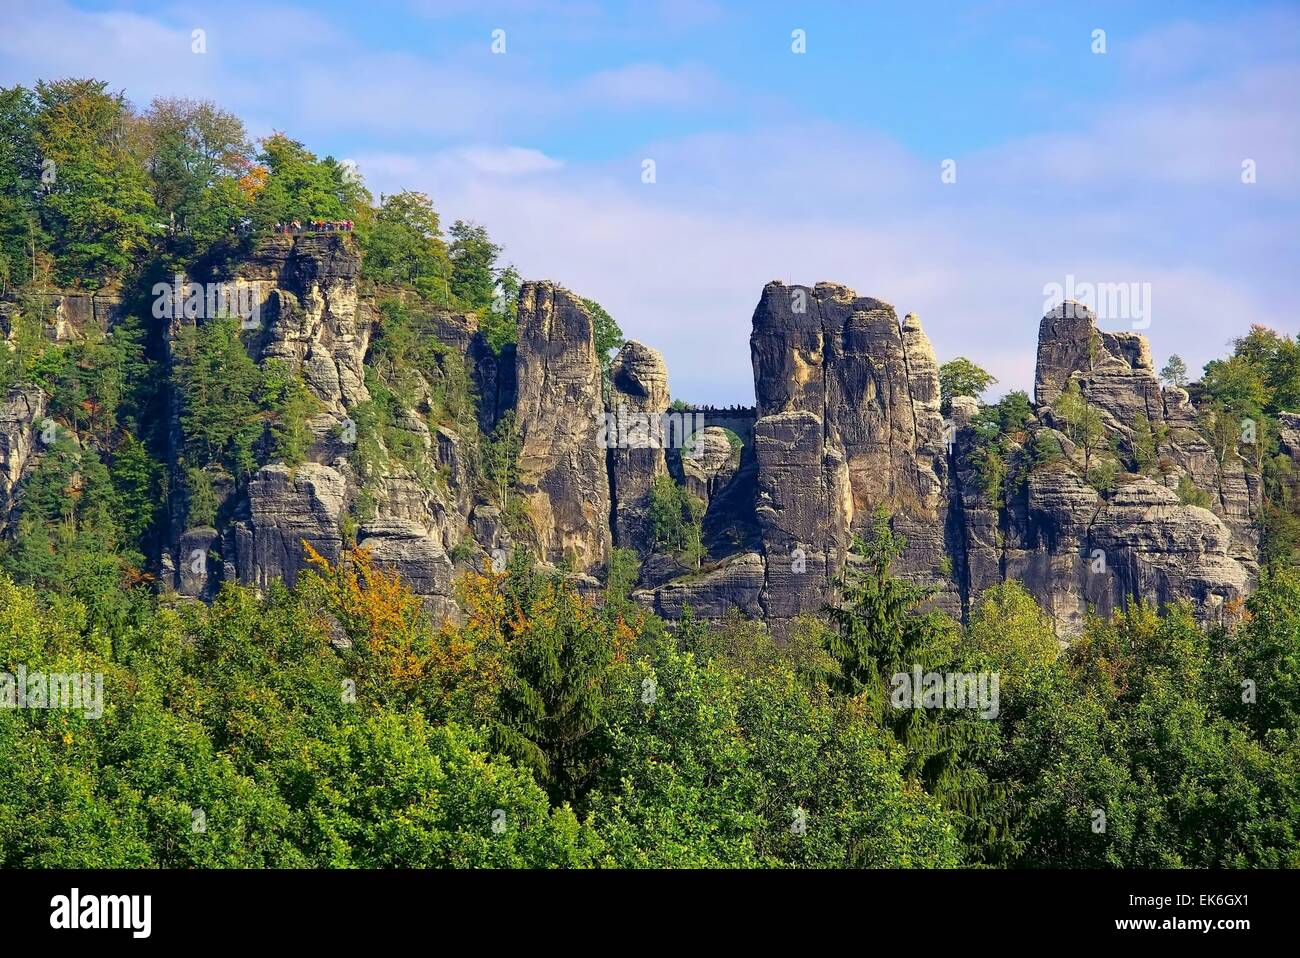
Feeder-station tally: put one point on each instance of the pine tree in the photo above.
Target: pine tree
(1083, 423)
(676, 519)
(220, 388)
(1175, 371)
(878, 630)
(501, 459)
(473, 258)
(877, 627)
(561, 657)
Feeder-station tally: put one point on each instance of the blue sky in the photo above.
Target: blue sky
(1122, 167)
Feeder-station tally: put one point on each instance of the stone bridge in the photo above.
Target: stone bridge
(739, 419)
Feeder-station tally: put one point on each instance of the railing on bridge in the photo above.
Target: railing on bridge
(724, 412)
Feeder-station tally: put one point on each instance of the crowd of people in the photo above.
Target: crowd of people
(315, 226)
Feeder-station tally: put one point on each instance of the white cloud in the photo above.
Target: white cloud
(505, 161)
(1145, 188)
(641, 83)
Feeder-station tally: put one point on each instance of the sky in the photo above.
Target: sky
(963, 162)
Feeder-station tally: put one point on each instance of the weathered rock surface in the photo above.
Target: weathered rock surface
(563, 474)
(804, 508)
(289, 507)
(20, 413)
(69, 315)
(309, 313)
(713, 466)
(847, 422)
(195, 565)
(735, 584)
(1289, 440)
(407, 548)
(1078, 549)
(638, 399)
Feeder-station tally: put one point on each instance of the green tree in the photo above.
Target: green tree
(1008, 632)
(710, 767)
(1082, 421)
(609, 338)
(97, 211)
(621, 577)
(391, 791)
(999, 431)
(961, 377)
(67, 536)
(878, 627)
(1138, 729)
(21, 237)
(500, 322)
(403, 246)
(473, 261)
(220, 388)
(201, 499)
(675, 520)
(196, 153)
(301, 187)
(1175, 371)
(290, 404)
(501, 459)
(1192, 495)
(1144, 444)
(562, 657)
(137, 477)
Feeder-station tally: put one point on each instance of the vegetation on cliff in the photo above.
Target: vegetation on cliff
(335, 723)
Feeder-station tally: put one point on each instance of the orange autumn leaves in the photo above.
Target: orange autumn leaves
(455, 669)
(372, 605)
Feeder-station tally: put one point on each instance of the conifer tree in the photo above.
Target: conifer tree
(561, 660)
(878, 628)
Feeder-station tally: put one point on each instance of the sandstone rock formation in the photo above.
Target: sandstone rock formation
(735, 584)
(563, 475)
(21, 411)
(288, 507)
(709, 471)
(311, 315)
(68, 315)
(1078, 549)
(638, 400)
(847, 423)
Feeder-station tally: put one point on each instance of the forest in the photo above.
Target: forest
(336, 723)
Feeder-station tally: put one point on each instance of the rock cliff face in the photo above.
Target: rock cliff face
(563, 474)
(847, 423)
(311, 315)
(21, 412)
(1076, 548)
(638, 400)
